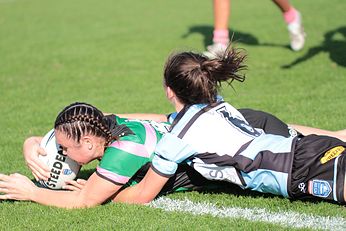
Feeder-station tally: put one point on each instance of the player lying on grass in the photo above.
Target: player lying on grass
(259, 119)
(84, 133)
(83, 145)
(124, 147)
(216, 140)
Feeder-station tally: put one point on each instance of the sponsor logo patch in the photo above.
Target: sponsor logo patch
(331, 154)
(319, 188)
(67, 171)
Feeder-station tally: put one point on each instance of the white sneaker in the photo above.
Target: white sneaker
(297, 34)
(215, 50)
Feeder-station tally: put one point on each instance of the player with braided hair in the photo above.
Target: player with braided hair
(81, 118)
(124, 148)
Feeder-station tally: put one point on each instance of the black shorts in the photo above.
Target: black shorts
(318, 169)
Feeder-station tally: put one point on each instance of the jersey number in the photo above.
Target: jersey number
(240, 124)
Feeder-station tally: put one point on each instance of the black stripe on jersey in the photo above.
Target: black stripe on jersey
(195, 117)
(279, 162)
(220, 161)
(213, 158)
(105, 178)
(265, 159)
(178, 117)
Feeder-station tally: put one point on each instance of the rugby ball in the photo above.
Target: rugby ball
(62, 168)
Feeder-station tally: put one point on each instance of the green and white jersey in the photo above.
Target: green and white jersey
(124, 157)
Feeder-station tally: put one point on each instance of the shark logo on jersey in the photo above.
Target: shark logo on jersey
(238, 123)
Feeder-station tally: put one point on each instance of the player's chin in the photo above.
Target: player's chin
(82, 163)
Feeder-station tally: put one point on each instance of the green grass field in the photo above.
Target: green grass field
(111, 54)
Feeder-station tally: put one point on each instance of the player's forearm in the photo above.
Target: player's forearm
(305, 130)
(131, 195)
(61, 199)
(143, 192)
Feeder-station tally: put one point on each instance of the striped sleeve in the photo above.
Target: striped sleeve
(121, 161)
(123, 158)
(170, 151)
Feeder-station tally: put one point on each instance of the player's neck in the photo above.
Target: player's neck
(179, 107)
(172, 97)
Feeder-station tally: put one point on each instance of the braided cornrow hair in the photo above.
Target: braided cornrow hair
(79, 119)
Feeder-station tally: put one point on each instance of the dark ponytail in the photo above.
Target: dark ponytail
(79, 119)
(196, 79)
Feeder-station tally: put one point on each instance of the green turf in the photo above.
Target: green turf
(111, 54)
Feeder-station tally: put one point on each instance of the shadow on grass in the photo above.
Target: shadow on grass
(334, 44)
(207, 32)
(223, 188)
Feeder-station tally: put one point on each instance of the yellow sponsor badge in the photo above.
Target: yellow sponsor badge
(331, 154)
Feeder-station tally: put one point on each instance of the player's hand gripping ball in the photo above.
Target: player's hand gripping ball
(62, 168)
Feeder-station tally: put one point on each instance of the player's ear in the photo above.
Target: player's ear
(169, 93)
(87, 141)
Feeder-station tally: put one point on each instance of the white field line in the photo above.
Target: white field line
(287, 219)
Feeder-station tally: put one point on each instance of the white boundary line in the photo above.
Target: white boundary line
(287, 219)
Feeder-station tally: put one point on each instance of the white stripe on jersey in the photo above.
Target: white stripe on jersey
(212, 132)
(219, 143)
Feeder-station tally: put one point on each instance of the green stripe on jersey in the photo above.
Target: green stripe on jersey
(121, 162)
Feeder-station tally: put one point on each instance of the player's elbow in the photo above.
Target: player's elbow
(145, 199)
(85, 202)
(145, 196)
(127, 196)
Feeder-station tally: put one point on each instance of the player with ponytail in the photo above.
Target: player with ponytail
(215, 139)
(196, 79)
